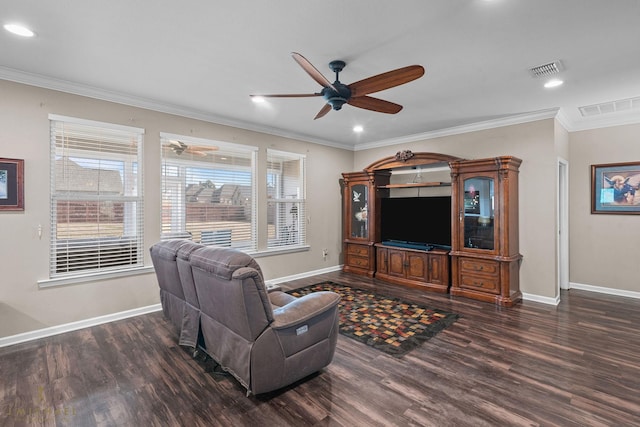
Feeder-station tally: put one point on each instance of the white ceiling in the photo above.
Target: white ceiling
(202, 59)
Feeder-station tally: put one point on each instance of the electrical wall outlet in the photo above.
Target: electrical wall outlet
(325, 253)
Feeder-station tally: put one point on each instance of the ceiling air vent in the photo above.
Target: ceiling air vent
(546, 69)
(610, 107)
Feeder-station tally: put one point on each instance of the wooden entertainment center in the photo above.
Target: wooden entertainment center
(483, 261)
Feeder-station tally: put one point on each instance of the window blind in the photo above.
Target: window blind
(208, 192)
(286, 209)
(96, 197)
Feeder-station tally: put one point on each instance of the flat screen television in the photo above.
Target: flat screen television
(417, 220)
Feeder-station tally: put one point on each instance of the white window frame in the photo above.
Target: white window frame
(174, 223)
(287, 203)
(132, 233)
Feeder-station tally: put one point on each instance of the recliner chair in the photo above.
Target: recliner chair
(191, 315)
(266, 340)
(172, 299)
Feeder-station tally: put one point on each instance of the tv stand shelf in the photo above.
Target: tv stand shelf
(415, 268)
(416, 184)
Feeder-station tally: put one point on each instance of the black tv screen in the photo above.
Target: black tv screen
(424, 220)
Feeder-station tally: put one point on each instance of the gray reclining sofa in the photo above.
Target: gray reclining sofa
(266, 340)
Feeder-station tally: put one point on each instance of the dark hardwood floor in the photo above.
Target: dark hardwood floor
(572, 365)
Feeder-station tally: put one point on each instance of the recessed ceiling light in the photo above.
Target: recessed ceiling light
(553, 83)
(20, 30)
(358, 129)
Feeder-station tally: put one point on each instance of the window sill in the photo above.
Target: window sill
(280, 251)
(85, 278)
(92, 277)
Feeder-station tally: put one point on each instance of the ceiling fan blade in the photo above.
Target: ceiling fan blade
(323, 111)
(375, 104)
(386, 80)
(312, 71)
(180, 147)
(287, 95)
(195, 152)
(203, 147)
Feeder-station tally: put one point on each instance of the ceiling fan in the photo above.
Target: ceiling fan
(337, 94)
(180, 147)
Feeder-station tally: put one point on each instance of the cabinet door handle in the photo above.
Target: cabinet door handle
(461, 215)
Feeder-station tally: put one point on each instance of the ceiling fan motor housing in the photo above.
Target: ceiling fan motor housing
(336, 98)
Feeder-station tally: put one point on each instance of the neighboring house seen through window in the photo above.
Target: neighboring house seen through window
(96, 197)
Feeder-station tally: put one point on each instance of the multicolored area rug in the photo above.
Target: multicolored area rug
(388, 324)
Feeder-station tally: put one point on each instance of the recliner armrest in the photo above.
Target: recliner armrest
(245, 272)
(304, 308)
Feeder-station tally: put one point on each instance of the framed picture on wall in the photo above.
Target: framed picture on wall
(615, 188)
(11, 185)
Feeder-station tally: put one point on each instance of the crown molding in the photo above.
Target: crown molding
(457, 130)
(564, 119)
(604, 121)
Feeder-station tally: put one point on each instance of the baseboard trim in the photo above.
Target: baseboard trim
(74, 326)
(603, 290)
(582, 287)
(541, 299)
(303, 275)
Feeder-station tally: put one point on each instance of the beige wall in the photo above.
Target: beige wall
(604, 248)
(24, 134)
(534, 144)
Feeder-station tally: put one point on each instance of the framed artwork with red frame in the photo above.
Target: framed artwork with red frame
(11, 184)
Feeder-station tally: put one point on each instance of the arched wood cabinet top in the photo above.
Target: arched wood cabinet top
(407, 158)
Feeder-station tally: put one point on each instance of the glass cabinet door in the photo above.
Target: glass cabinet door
(479, 213)
(359, 218)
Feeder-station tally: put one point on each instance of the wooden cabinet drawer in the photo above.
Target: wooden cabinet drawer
(479, 281)
(359, 259)
(356, 261)
(479, 274)
(358, 250)
(469, 265)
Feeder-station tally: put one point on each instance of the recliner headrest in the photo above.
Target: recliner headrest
(222, 262)
(185, 251)
(167, 249)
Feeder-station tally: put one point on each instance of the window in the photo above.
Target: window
(208, 192)
(286, 199)
(96, 197)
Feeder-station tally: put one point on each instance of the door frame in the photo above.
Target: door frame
(562, 225)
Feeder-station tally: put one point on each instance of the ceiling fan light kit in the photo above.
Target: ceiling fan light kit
(337, 94)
